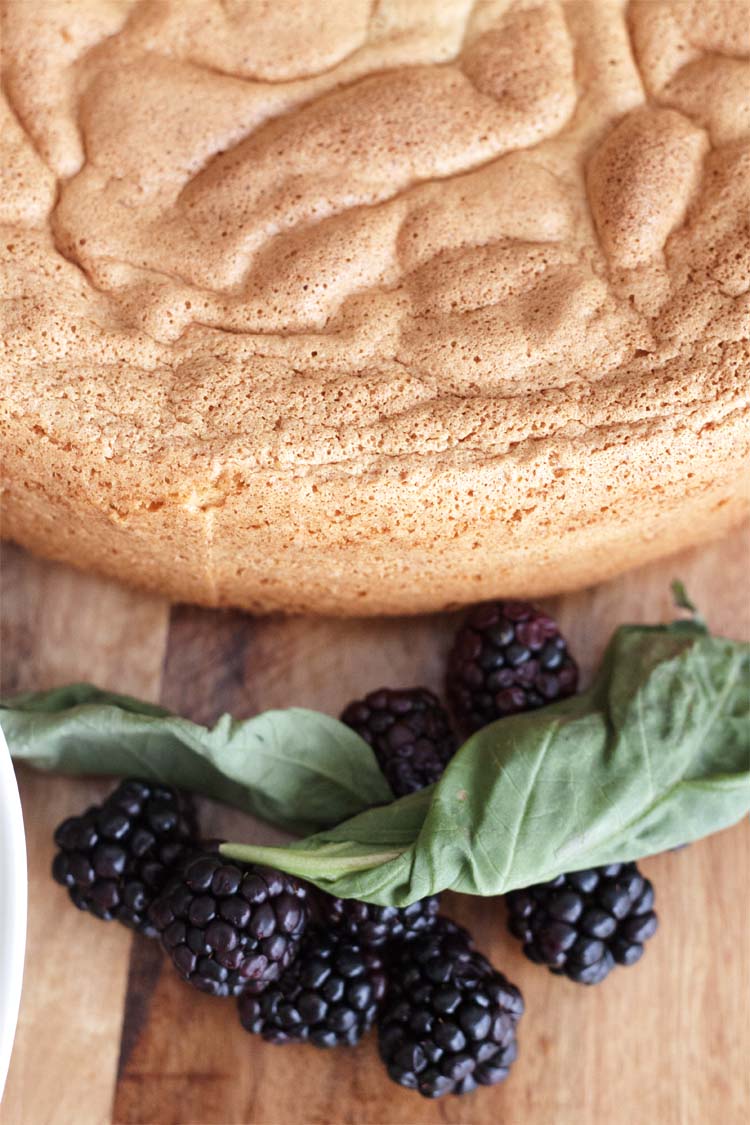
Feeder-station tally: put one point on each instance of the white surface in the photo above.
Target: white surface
(13, 892)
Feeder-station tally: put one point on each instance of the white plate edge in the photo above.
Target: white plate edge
(12, 923)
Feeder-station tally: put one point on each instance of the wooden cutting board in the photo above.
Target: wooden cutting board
(108, 1033)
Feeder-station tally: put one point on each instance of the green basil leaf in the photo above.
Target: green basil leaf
(298, 769)
(655, 754)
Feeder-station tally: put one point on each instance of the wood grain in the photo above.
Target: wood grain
(666, 1041)
(58, 626)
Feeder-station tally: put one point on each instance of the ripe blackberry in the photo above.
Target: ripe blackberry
(410, 733)
(117, 856)
(229, 926)
(329, 995)
(507, 657)
(582, 924)
(376, 926)
(449, 1019)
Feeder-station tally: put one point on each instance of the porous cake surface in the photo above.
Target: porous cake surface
(361, 307)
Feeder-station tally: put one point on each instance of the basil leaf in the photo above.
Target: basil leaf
(298, 769)
(655, 754)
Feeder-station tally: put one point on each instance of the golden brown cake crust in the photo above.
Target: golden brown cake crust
(360, 307)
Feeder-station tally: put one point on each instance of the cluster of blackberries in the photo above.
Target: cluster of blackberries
(308, 967)
(507, 657)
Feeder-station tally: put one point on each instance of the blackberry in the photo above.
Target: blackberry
(581, 925)
(376, 926)
(507, 657)
(449, 1019)
(229, 926)
(329, 996)
(117, 856)
(409, 732)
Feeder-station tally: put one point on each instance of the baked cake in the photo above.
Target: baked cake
(355, 307)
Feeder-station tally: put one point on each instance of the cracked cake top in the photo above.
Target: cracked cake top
(325, 238)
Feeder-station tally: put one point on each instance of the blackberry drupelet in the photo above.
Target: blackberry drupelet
(581, 925)
(229, 926)
(410, 733)
(329, 995)
(448, 1023)
(377, 926)
(117, 856)
(507, 657)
